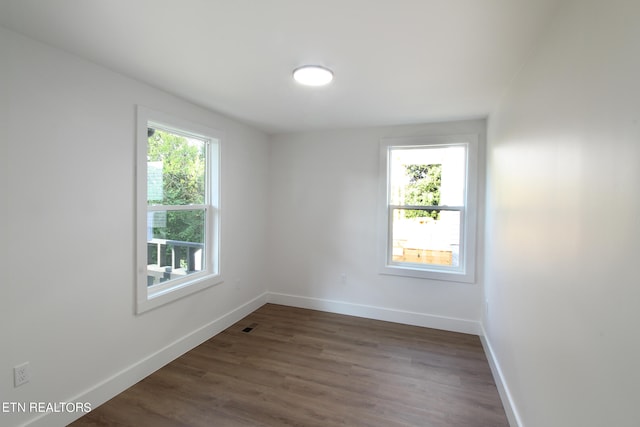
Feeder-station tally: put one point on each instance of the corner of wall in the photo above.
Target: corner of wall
(503, 389)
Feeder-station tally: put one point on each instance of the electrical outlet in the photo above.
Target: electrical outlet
(21, 374)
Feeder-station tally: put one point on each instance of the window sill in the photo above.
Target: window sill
(150, 300)
(431, 274)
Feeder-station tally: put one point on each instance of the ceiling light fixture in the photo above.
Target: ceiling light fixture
(313, 75)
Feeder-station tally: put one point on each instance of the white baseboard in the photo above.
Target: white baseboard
(505, 395)
(378, 313)
(124, 379)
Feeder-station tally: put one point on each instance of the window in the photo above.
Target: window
(178, 208)
(428, 219)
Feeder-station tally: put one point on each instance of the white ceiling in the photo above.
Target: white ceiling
(395, 61)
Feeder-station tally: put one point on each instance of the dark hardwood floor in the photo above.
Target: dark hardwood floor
(301, 367)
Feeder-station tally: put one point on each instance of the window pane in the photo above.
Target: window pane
(176, 167)
(426, 237)
(427, 176)
(175, 244)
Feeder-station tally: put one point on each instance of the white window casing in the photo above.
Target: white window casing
(150, 296)
(466, 208)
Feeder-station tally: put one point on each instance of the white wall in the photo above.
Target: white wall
(324, 202)
(563, 222)
(67, 293)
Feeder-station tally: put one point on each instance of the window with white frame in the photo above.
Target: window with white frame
(428, 219)
(177, 208)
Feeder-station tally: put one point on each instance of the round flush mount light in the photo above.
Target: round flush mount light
(313, 75)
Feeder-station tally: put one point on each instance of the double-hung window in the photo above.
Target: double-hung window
(428, 218)
(178, 208)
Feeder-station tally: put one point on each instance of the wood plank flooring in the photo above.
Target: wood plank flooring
(302, 367)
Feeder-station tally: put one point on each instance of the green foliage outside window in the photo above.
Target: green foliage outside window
(183, 183)
(423, 189)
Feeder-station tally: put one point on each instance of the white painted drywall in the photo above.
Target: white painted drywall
(324, 202)
(68, 180)
(563, 222)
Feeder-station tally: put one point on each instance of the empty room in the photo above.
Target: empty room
(335, 213)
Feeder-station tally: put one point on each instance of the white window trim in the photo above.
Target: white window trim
(146, 298)
(466, 272)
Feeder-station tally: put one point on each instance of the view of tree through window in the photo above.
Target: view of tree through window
(176, 173)
(183, 166)
(423, 189)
